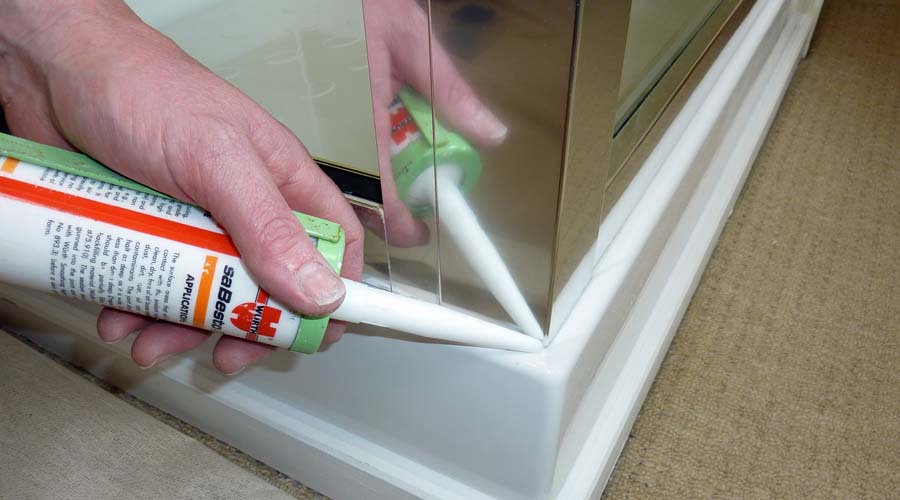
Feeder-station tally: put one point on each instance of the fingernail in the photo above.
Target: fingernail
(156, 361)
(490, 126)
(231, 374)
(118, 339)
(320, 284)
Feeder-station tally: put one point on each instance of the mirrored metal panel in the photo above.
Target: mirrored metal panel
(549, 72)
(501, 81)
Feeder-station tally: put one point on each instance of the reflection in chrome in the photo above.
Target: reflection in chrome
(461, 223)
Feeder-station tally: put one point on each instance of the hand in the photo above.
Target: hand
(397, 42)
(89, 75)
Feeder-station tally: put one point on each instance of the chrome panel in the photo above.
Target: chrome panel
(517, 57)
(666, 67)
(639, 136)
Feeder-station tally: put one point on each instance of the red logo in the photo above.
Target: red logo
(256, 318)
(403, 129)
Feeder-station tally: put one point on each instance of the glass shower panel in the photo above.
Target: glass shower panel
(305, 63)
(330, 72)
(397, 38)
(658, 32)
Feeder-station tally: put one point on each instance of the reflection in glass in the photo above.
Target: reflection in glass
(330, 70)
(397, 40)
(510, 60)
(657, 34)
(302, 60)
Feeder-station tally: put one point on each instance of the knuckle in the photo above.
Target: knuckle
(287, 160)
(203, 153)
(353, 231)
(215, 146)
(415, 29)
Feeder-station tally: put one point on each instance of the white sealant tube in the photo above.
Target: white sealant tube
(86, 239)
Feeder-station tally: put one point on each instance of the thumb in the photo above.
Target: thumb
(242, 196)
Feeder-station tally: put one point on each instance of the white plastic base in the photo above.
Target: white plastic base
(380, 415)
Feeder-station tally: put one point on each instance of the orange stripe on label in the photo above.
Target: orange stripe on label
(122, 217)
(9, 165)
(203, 290)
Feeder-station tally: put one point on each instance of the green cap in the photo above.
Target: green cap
(447, 148)
(330, 241)
(326, 235)
(69, 162)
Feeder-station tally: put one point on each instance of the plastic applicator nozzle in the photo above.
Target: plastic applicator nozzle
(418, 142)
(460, 222)
(365, 304)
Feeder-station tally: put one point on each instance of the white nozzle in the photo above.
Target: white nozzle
(460, 222)
(365, 304)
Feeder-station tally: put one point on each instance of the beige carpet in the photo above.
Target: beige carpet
(65, 437)
(784, 377)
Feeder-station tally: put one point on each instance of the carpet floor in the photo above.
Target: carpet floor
(784, 377)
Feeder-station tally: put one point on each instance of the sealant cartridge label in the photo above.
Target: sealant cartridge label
(94, 241)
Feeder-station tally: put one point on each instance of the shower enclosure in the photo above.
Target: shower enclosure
(569, 82)
(613, 137)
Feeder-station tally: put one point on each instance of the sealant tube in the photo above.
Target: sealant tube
(139, 251)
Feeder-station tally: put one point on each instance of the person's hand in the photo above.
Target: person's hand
(397, 35)
(89, 75)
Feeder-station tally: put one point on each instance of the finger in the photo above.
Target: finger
(406, 231)
(231, 355)
(371, 220)
(161, 340)
(334, 331)
(307, 189)
(402, 228)
(456, 103)
(459, 106)
(113, 325)
(311, 192)
(242, 196)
